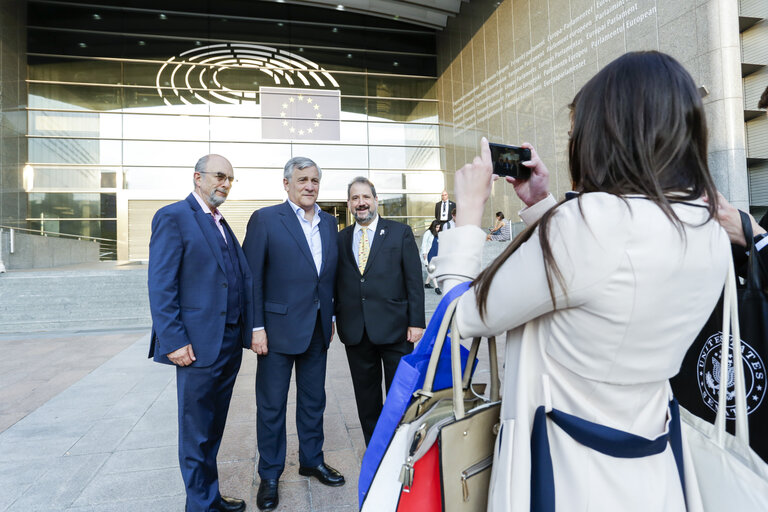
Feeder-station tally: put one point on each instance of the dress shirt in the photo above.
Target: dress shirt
(761, 243)
(217, 216)
(444, 213)
(358, 233)
(312, 233)
(315, 242)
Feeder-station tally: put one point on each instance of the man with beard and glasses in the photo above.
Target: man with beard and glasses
(379, 298)
(200, 297)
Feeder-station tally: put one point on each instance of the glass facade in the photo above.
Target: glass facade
(123, 97)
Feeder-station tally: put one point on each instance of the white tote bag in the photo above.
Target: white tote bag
(730, 475)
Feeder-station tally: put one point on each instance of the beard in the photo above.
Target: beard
(215, 200)
(364, 216)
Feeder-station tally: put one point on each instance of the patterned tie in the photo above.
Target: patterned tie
(363, 250)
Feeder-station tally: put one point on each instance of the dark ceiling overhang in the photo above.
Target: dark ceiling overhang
(428, 13)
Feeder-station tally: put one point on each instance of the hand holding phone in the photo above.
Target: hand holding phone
(507, 161)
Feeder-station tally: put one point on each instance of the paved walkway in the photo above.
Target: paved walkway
(88, 423)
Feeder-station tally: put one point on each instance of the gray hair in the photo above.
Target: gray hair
(300, 162)
(200, 166)
(364, 181)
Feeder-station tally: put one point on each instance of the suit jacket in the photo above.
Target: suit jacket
(188, 284)
(286, 286)
(389, 296)
(439, 207)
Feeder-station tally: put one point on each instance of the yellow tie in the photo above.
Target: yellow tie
(363, 250)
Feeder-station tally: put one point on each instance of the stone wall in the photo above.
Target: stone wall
(35, 251)
(508, 70)
(13, 116)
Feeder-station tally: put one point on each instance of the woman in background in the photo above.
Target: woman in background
(429, 247)
(497, 231)
(600, 297)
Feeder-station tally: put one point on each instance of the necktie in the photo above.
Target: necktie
(218, 225)
(444, 213)
(363, 250)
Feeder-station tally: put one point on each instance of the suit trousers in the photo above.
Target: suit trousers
(273, 379)
(203, 396)
(365, 363)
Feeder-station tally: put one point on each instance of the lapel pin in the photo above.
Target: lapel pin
(381, 233)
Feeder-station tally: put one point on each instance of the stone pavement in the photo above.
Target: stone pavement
(88, 423)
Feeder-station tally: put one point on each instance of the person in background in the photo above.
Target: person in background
(497, 231)
(200, 297)
(429, 245)
(379, 299)
(443, 208)
(728, 216)
(600, 297)
(451, 223)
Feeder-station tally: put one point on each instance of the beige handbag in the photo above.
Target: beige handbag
(463, 424)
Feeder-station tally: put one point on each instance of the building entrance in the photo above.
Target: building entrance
(338, 210)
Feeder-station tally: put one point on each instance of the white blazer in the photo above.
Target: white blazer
(638, 292)
(426, 245)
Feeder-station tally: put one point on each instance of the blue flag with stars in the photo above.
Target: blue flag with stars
(300, 114)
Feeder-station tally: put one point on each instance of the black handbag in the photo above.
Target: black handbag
(696, 386)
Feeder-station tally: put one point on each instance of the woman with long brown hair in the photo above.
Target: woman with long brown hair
(600, 297)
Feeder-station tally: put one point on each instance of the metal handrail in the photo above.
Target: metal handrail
(63, 235)
(107, 246)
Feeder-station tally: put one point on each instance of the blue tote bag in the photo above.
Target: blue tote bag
(409, 378)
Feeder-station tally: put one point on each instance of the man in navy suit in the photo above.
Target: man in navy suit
(200, 296)
(292, 252)
(379, 299)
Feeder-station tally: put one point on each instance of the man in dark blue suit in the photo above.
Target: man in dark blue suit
(292, 252)
(200, 296)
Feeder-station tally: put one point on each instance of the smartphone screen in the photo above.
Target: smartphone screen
(507, 161)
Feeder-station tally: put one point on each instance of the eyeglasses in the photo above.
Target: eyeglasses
(220, 176)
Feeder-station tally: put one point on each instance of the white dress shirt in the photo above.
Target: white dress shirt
(311, 233)
(358, 233)
(444, 213)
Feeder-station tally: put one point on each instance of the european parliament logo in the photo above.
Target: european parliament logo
(238, 74)
(300, 114)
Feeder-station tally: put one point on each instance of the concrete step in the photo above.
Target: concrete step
(103, 297)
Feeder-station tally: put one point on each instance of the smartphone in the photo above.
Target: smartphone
(507, 161)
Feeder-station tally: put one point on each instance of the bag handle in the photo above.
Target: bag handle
(457, 376)
(753, 280)
(731, 320)
(437, 347)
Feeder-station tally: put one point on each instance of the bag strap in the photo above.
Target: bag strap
(754, 264)
(437, 347)
(731, 321)
(459, 378)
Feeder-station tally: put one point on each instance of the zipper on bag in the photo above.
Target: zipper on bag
(473, 470)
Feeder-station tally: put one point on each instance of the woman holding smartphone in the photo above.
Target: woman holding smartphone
(600, 297)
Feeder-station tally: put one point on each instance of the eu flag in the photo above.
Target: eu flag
(300, 114)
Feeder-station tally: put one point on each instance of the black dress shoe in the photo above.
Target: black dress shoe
(325, 473)
(230, 505)
(438, 291)
(427, 285)
(266, 498)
